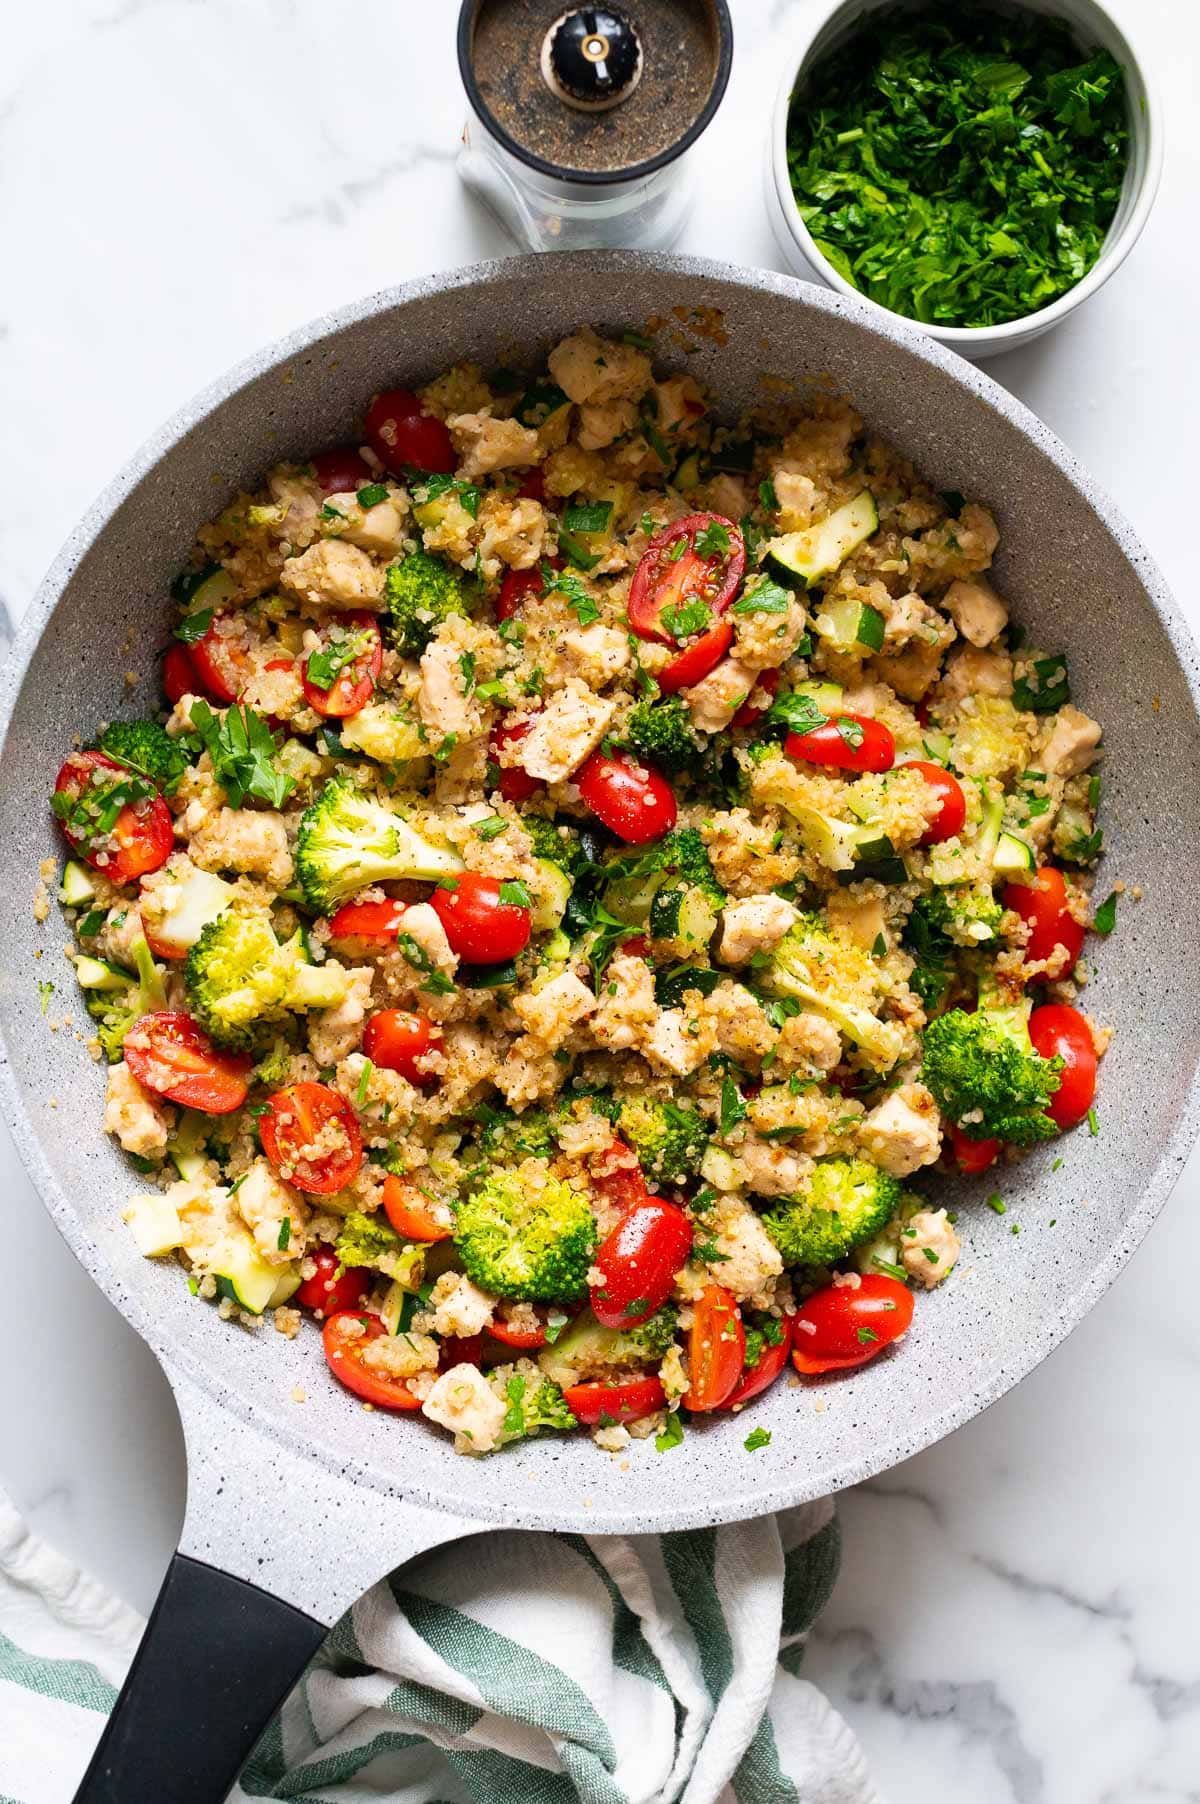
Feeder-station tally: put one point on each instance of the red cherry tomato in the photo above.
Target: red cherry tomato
(952, 813)
(748, 713)
(633, 800)
(131, 843)
(716, 1349)
(301, 1115)
(766, 1368)
(971, 1156)
(374, 924)
(1059, 1031)
(672, 572)
(515, 586)
(845, 1325)
(410, 1212)
(171, 1055)
(346, 1336)
(404, 438)
(701, 655)
(534, 487)
(848, 742)
(1043, 904)
(524, 1339)
(620, 1178)
(221, 659)
(354, 684)
(626, 1402)
(637, 946)
(460, 1350)
(514, 784)
(341, 471)
(638, 1262)
(479, 926)
(396, 1038)
(333, 1286)
(179, 673)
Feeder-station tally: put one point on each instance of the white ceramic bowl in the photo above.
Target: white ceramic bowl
(1092, 26)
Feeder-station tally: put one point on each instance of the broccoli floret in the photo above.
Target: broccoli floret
(505, 1138)
(683, 853)
(829, 976)
(147, 748)
(526, 1234)
(240, 979)
(556, 841)
(669, 1140)
(1076, 837)
(274, 1067)
(844, 1202)
(985, 1075)
(840, 845)
(369, 1240)
(661, 732)
(967, 914)
(419, 593)
(532, 1407)
(115, 1011)
(348, 841)
(933, 952)
(586, 1349)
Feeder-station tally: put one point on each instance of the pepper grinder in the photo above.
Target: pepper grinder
(579, 123)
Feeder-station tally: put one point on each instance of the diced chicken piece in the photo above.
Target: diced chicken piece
(763, 641)
(750, 1261)
(680, 406)
(929, 1247)
(740, 1023)
(401, 1355)
(600, 422)
(460, 1307)
(680, 1041)
(909, 618)
(463, 1401)
(265, 1202)
(755, 924)
(627, 1009)
(442, 700)
(976, 610)
(379, 529)
(713, 702)
(797, 498)
(597, 653)
(251, 840)
(550, 1013)
(569, 727)
(529, 1073)
(970, 671)
(1072, 744)
(809, 1044)
(911, 672)
(333, 574)
(334, 1033)
(903, 1132)
(484, 444)
(511, 532)
(859, 919)
(771, 1169)
(729, 495)
(422, 924)
(138, 1119)
(301, 498)
(590, 368)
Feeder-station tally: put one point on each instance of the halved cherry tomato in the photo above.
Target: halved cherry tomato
(1043, 904)
(1059, 1031)
(402, 437)
(354, 684)
(374, 923)
(479, 926)
(952, 813)
(716, 1349)
(534, 486)
(768, 681)
(636, 946)
(171, 1055)
(697, 659)
(396, 1038)
(626, 1402)
(766, 1368)
(671, 572)
(633, 800)
(345, 1336)
(971, 1156)
(524, 1339)
(844, 1325)
(179, 673)
(342, 470)
(638, 1262)
(848, 742)
(123, 839)
(221, 660)
(514, 784)
(460, 1350)
(333, 1286)
(295, 1119)
(514, 587)
(620, 1178)
(410, 1213)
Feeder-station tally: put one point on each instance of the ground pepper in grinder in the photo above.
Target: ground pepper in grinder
(580, 120)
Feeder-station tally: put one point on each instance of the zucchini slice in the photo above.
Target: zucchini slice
(848, 624)
(98, 974)
(552, 895)
(1013, 856)
(77, 886)
(154, 1224)
(245, 1278)
(683, 918)
(816, 552)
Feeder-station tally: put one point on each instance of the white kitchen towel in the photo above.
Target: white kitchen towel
(513, 1669)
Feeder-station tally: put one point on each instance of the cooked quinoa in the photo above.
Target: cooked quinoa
(600, 860)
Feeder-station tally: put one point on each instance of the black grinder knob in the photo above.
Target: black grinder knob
(592, 57)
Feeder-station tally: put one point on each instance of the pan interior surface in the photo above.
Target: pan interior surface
(1077, 581)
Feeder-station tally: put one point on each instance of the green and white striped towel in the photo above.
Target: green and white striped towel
(513, 1669)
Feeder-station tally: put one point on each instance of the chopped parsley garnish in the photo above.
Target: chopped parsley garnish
(849, 730)
(285, 1234)
(733, 1109)
(371, 494)
(996, 1202)
(425, 488)
(1105, 917)
(490, 827)
(766, 597)
(515, 892)
(587, 516)
(565, 583)
(1043, 687)
(364, 1084)
(341, 648)
(671, 1433)
(242, 748)
(713, 542)
(45, 991)
(866, 1336)
(798, 713)
(1093, 1121)
(767, 496)
(758, 1437)
(194, 626)
(686, 618)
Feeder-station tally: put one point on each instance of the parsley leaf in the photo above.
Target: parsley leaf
(712, 542)
(1042, 687)
(798, 713)
(758, 1437)
(515, 892)
(684, 618)
(733, 1109)
(1105, 917)
(242, 748)
(371, 494)
(565, 583)
(326, 664)
(425, 488)
(587, 516)
(194, 626)
(671, 1433)
(766, 597)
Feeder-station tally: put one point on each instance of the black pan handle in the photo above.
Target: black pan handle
(218, 1656)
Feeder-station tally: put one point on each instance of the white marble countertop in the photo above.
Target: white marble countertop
(182, 180)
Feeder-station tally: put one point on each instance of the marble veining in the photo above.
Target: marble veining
(181, 180)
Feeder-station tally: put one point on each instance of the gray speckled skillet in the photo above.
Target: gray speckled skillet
(309, 1503)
